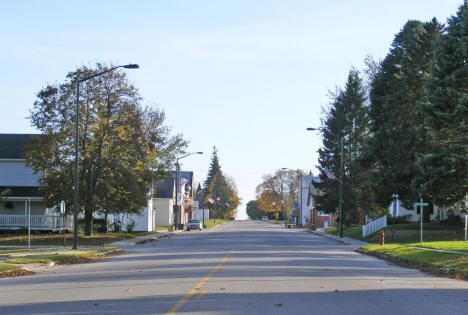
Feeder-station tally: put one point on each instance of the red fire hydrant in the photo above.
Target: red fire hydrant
(381, 237)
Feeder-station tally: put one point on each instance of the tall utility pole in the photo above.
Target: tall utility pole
(176, 217)
(75, 188)
(341, 189)
(282, 199)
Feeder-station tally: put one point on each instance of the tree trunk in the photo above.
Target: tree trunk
(88, 222)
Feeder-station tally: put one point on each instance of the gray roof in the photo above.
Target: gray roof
(165, 188)
(12, 145)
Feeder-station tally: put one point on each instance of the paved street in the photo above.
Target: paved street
(237, 268)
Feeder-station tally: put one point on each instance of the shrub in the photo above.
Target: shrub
(398, 220)
(116, 226)
(130, 226)
(100, 225)
(452, 220)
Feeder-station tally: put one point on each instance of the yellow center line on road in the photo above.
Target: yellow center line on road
(198, 286)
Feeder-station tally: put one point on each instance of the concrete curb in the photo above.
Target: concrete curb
(144, 239)
(215, 227)
(344, 241)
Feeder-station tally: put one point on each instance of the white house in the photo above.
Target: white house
(303, 206)
(144, 221)
(435, 213)
(20, 201)
(200, 211)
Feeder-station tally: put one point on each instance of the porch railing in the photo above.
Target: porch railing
(37, 221)
(374, 226)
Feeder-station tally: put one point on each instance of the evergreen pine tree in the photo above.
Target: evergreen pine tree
(445, 163)
(217, 188)
(347, 118)
(397, 121)
(212, 171)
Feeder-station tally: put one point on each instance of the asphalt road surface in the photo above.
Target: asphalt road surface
(237, 268)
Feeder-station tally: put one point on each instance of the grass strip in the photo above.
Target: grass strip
(56, 239)
(398, 233)
(6, 267)
(18, 251)
(69, 256)
(210, 224)
(440, 263)
(459, 246)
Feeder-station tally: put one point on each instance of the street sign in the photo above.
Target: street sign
(421, 204)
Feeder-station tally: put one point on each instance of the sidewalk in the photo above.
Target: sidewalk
(145, 239)
(128, 242)
(342, 240)
(358, 243)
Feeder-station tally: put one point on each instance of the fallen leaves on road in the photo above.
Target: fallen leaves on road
(279, 304)
(17, 273)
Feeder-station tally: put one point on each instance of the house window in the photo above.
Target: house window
(9, 205)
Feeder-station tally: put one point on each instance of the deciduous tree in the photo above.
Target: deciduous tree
(121, 144)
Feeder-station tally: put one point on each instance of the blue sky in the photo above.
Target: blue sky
(245, 76)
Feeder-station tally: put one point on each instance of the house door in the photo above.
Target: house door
(326, 224)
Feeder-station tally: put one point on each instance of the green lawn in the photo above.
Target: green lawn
(6, 267)
(210, 224)
(55, 239)
(459, 246)
(9, 252)
(404, 233)
(422, 258)
(61, 256)
(354, 232)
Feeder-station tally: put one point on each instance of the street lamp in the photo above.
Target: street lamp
(394, 213)
(75, 188)
(340, 180)
(300, 179)
(178, 185)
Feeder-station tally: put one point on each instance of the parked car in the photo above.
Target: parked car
(194, 225)
(264, 218)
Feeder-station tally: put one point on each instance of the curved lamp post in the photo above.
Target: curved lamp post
(300, 187)
(75, 188)
(178, 185)
(340, 179)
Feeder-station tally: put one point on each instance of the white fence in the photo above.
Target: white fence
(374, 226)
(38, 222)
